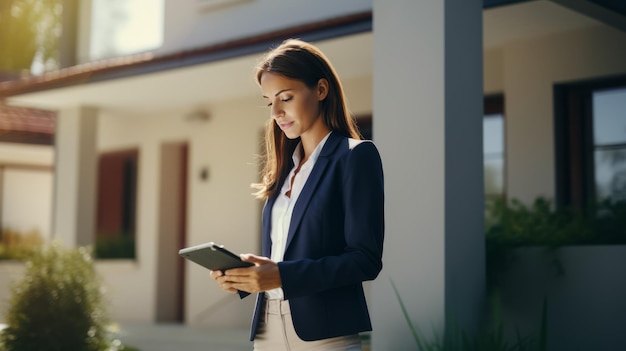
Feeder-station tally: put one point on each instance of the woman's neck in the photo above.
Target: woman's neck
(311, 140)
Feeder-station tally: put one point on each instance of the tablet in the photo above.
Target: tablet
(212, 256)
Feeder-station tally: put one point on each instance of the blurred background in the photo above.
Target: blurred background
(132, 126)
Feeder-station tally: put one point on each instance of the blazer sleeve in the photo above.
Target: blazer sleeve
(363, 230)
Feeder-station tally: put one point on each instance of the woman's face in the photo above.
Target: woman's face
(294, 106)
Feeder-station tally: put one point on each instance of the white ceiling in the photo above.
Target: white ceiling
(226, 80)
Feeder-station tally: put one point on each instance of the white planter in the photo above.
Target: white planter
(586, 303)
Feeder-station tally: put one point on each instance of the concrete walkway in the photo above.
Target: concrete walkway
(176, 337)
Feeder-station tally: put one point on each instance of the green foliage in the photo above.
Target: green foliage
(121, 246)
(489, 338)
(57, 305)
(512, 225)
(609, 223)
(28, 27)
(516, 224)
(16, 245)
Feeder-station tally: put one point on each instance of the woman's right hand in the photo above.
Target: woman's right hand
(222, 281)
(263, 276)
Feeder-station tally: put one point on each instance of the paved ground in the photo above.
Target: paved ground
(185, 338)
(175, 337)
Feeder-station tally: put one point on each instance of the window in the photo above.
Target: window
(590, 127)
(123, 27)
(609, 143)
(493, 147)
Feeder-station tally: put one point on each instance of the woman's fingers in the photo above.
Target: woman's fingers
(257, 260)
(263, 276)
(216, 274)
(226, 284)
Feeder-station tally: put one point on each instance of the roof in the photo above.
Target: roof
(147, 62)
(26, 125)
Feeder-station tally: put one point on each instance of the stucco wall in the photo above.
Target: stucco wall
(188, 25)
(36, 155)
(26, 188)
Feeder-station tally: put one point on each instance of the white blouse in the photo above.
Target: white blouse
(283, 206)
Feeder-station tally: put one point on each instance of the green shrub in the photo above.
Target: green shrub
(57, 305)
(15, 245)
(512, 224)
(120, 247)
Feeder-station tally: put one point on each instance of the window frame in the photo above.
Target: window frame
(573, 140)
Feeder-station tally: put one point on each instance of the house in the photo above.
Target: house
(185, 116)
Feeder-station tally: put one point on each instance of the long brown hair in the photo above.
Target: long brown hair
(299, 60)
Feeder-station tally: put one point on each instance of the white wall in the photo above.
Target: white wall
(188, 25)
(526, 72)
(24, 154)
(27, 201)
(222, 208)
(492, 71)
(26, 188)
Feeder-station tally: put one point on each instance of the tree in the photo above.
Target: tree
(29, 29)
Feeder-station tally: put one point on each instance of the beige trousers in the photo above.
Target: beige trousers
(276, 333)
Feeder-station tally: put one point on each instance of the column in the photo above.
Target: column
(75, 176)
(428, 125)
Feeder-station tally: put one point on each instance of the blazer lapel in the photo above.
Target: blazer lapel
(311, 184)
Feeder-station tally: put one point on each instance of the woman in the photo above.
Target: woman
(323, 220)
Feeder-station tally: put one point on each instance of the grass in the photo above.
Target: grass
(489, 338)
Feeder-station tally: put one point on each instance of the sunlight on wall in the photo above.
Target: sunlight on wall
(27, 200)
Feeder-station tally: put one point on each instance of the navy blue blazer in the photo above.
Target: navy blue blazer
(335, 241)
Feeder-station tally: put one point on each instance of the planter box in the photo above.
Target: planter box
(586, 302)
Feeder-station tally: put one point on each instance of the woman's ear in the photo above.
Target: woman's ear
(322, 89)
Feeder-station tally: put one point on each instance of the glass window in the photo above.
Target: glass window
(609, 143)
(123, 27)
(493, 147)
(493, 152)
(590, 142)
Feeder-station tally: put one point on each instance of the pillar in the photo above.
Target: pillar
(427, 121)
(75, 176)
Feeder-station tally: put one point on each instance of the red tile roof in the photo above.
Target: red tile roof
(23, 119)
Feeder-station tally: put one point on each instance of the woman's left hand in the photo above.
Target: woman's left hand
(263, 276)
